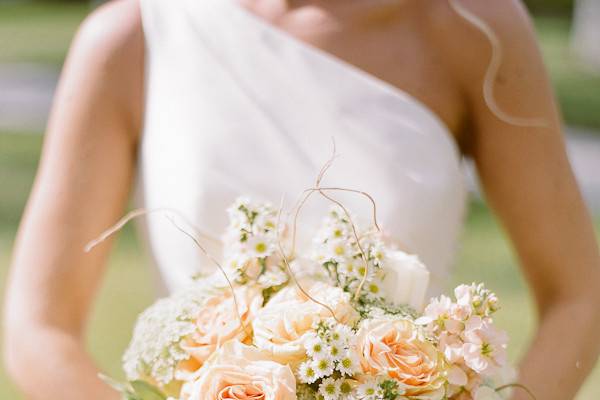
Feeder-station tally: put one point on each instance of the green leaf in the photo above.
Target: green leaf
(145, 391)
(124, 388)
(118, 386)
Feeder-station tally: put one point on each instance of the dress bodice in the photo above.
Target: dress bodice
(235, 106)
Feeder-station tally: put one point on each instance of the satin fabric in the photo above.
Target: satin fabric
(235, 106)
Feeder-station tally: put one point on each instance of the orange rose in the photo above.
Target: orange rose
(281, 327)
(397, 349)
(219, 322)
(240, 372)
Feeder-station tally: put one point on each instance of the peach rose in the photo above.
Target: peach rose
(218, 322)
(396, 348)
(240, 372)
(281, 327)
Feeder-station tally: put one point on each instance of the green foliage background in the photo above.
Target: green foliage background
(557, 7)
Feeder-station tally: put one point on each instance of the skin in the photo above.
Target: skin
(423, 48)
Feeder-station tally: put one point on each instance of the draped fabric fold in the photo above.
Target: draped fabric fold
(236, 107)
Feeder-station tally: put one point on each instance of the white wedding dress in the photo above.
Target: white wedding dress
(235, 106)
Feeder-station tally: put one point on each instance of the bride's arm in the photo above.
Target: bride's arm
(529, 183)
(81, 187)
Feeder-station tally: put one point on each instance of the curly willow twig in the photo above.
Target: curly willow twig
(360, 249)
(140, 212)
(492, 70)
(214, 261)
(166, 213)
(289, 269)
(306, 195)
(517, 385)
(339, 204)
(310, 191)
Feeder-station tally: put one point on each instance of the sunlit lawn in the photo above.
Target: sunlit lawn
(38, 32)
(128, 288)
(577, 89)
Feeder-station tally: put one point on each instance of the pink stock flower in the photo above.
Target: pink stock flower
(484, 348)
(443, 315)
(452, 347)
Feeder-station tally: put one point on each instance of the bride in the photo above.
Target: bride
(199, 101)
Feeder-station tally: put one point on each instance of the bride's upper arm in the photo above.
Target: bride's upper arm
(84, 177)
(523, 166)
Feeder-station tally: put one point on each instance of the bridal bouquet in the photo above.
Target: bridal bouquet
(343, 320)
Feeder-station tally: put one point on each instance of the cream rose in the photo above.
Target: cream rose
(240, 372)
(281, 327)
(396, 348)
(218, 322)
(406, 279)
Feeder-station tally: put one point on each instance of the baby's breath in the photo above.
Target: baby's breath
(155, 349)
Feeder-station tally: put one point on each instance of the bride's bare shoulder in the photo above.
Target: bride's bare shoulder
(464, 31)
(457, 24)
(505, 16)
(114, 28)
(108, 50)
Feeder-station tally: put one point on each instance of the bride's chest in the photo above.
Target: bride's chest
(397, 49)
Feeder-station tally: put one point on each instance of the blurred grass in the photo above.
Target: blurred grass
(577, 89)
(485, 256)
(38, 32)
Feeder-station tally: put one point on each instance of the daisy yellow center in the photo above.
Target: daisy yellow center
(346, 388)
(330, 389)
(323, 364)
(486, 349)
(260, 247)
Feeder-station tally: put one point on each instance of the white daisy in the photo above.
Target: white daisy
(373, 289)
(369, 390)
(260, 246)
(307, 372)
(347, 268)
(338, 250)
(315, 346)
(342, 334)
(335, 351)
(330, 389)
(323, 367)
(348, 364)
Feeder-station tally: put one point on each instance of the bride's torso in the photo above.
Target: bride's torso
(235, 106)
